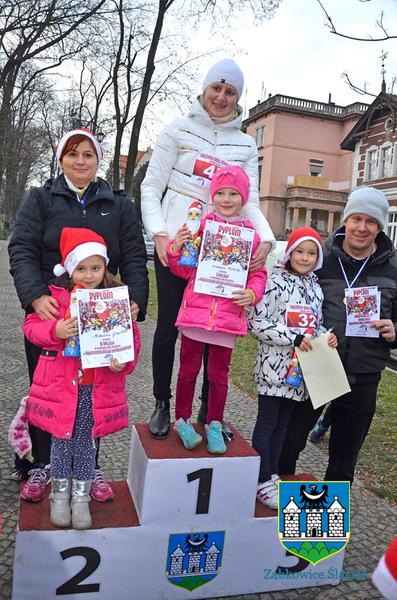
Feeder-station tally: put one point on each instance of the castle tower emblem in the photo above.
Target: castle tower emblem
(194, 559)
(310, 525)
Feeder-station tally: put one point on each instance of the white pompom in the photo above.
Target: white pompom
(59, 270)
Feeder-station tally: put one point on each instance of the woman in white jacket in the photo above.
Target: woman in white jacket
(186, 154)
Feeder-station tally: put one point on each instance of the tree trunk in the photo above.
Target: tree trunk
(116, 156)
(136, 128)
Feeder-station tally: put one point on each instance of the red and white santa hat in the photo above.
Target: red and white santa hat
(196, 206)
(76, 245)
(195, 209)
(300, 235)
(385, 575)
(82, 131)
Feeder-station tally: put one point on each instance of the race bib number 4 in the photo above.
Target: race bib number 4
(300, 316)
(204, 168)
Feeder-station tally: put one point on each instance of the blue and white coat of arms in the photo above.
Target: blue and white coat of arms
(194, 559)
(314, 518)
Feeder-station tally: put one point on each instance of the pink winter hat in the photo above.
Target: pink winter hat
(231, 177)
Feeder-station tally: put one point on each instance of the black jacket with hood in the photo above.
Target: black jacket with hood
(363, 358)
(34, 244)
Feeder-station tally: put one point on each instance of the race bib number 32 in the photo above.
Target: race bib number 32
(301, 316)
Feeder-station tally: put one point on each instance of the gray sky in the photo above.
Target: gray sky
(295, 54)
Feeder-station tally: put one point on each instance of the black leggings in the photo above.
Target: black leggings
(169, 298)
(170, 290)
(302, 421)
(269, 432)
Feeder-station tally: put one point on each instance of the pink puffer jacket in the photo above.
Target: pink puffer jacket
(53, 396)
(213, 313)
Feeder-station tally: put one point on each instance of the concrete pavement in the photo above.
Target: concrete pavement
(373, 521)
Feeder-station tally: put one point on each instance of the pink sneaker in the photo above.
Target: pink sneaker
(34, 489)
(101, 490)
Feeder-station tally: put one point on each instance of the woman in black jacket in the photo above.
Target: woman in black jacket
(77, 198)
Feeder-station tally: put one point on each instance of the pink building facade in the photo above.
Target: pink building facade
(305, 175)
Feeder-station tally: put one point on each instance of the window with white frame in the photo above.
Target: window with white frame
(370, 163)
(392, 226)
(386, 161)
(260, 136)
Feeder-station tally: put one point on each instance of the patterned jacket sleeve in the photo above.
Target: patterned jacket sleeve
(266, 321)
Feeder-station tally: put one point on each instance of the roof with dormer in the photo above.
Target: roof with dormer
(360, 130)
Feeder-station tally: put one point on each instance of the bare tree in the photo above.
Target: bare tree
(163, 6)
(261, 9)
(26, 140)
(116, 52)
(35, 31)
(380, 24)
(89, 97)
(123, 65)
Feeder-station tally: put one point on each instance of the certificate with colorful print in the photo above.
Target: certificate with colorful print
(362, 308)
(105, 327)
(224, 259)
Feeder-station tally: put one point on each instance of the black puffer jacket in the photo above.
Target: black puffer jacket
(34, 244)
(360, 356)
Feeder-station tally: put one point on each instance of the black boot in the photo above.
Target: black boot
(159, 424)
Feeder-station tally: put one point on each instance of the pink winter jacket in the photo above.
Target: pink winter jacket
(213, 313)
(53, 396)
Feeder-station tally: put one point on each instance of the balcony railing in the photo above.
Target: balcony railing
(311, 106)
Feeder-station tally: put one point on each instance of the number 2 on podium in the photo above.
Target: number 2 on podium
(204, 489)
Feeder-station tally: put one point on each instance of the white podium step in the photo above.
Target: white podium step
(195, 533)
(172, 484)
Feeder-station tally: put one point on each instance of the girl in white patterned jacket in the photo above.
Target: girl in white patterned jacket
(292, 303)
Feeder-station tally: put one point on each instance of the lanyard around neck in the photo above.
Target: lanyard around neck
(308, 300)
(361, 269)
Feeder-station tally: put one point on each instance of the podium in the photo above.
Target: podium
(185, 524)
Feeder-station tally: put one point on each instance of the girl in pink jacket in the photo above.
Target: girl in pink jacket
(206, 319)
(76, 406)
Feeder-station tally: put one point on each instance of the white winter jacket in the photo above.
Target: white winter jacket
(267, 323)
(170, 171)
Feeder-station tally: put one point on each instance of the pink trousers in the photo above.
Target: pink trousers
(191, 357)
